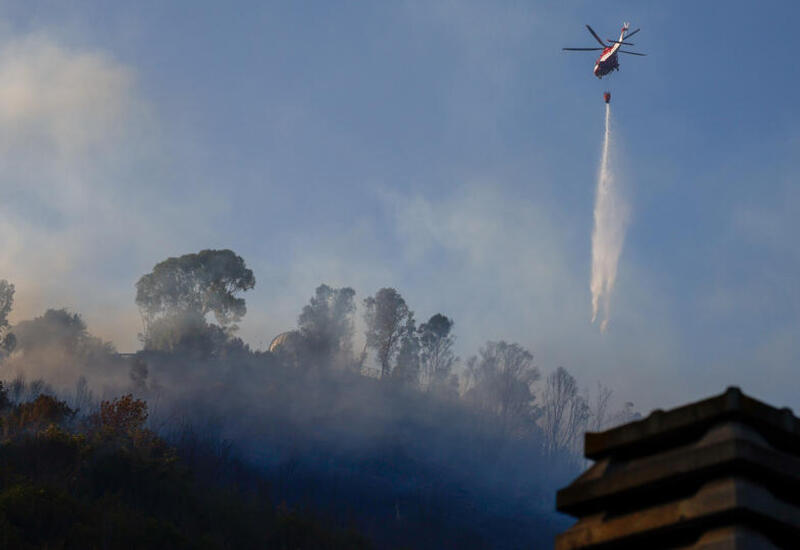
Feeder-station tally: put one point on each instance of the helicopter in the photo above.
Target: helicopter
(608, 60)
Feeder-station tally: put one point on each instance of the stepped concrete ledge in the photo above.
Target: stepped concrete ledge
(718, 474)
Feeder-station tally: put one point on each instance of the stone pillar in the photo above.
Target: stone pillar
(723, 473)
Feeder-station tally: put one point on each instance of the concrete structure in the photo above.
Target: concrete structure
(719, 474)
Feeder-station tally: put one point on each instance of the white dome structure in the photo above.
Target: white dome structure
(283, 340)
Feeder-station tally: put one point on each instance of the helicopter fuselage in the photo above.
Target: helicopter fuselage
(607, 62)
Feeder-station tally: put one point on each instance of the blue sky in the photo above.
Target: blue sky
(448, 149)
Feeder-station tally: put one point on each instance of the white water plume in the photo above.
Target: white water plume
(610, 221)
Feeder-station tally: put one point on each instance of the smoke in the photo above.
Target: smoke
(608, 236)
(409, 467)
(58, 349)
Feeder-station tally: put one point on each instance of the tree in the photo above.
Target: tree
(326, 325)
(407, 365)
(565, 412)
(7, 339)
(436, 352)
(4, 400)
(202, 283)
(36, 415)
(501, 379)
(387, 318)
(186, 333)
(625, 415)
(186, 289)
(600, 408)
(121, 416)
(62, 330)
(58, 346)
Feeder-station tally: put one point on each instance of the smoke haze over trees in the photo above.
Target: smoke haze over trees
(7, 339)
(398, 441)
(436, 354)
(179, 293)
(326, 328)
(390, 325)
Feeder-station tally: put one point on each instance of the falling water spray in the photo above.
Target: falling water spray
(608, 236)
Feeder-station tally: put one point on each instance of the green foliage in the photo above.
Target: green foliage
(7, 339)
(326, 325)
(179, 293)
(36, 415)
(108, 482)
(407, 366)
(501, 381)
(122, 416)
(388, 320)
(35, 516)
(436, 354)
(4, 401)
(190, 334)
(59, 329)
(202, 283)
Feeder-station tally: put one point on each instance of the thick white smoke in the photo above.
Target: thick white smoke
(610, 221)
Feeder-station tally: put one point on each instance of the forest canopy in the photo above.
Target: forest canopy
(331, 438)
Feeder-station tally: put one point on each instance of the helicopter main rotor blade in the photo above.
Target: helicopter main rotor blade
(632, 53)
(591, 30)
(631, 34)
(582, 49)
(618, 42)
